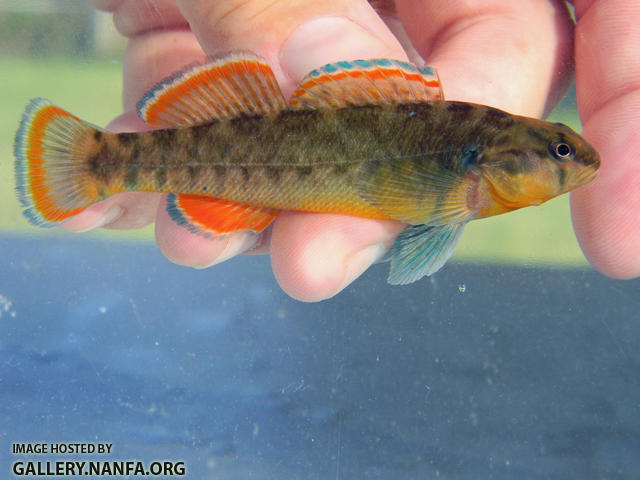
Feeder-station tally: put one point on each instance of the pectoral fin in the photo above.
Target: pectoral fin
(422, 250)
(417, 192)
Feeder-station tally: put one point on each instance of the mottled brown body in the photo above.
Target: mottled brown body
(303, 159)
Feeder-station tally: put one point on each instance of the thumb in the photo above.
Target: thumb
(294, 37)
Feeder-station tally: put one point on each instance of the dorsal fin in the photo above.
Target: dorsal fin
(221, 88)
(367, 81)
(209, 216)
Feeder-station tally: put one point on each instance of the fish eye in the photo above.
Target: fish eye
(561, 150)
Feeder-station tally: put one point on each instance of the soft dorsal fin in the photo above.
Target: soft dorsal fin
(221, 88)
(209, 216)
(367, 81)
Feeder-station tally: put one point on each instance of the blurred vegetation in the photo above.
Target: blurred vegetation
(44, 35)
(56, 28)
(61, 55)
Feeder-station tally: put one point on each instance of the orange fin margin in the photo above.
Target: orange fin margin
(222, 88)
(367, 81)
(211, 216)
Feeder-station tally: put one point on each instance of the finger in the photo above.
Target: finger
(315, 256)
(106, 5)
(497, 52)
(153, 56)
(134, 17)
(185, 248)
(296, 37)
(605, 212)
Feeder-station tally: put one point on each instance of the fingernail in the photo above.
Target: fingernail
(111, 216)
(92, 218)
(236, 244)
(326, 40)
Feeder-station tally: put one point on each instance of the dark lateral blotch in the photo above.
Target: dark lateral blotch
(97, 165)
(340, 168)
(461, 108)
(273, 173)
(161, 177)
(126, 138)
(220, 170)
(304, 171)
(94, 163)
(165, 137)
(131, 175)
(193, 172)
(495, 115)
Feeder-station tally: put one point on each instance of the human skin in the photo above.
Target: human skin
(517, 56)
(606, 213)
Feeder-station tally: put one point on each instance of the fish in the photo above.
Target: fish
(370, 138)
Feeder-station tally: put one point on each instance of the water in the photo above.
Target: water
(239, 381)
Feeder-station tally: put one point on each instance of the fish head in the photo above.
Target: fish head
(533, 161)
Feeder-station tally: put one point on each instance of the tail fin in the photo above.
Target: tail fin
(51, 150)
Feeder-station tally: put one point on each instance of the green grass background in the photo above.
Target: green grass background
(91, 90)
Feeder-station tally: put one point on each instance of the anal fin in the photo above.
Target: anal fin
(422, 250)
(209, 216)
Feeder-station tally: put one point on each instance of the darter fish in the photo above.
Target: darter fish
(372, 138)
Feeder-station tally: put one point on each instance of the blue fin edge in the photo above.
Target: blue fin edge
(175, 212)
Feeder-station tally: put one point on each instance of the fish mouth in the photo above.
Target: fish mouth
(591, 164)
(585, 176)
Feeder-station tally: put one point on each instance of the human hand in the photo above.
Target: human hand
(606, 212)
(515, 56)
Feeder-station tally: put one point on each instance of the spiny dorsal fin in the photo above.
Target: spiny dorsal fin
(221, 88)
(367, 81)
(209, 216)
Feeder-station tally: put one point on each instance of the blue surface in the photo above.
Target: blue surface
(527, 373)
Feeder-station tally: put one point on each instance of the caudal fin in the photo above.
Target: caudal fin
(51, 150)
